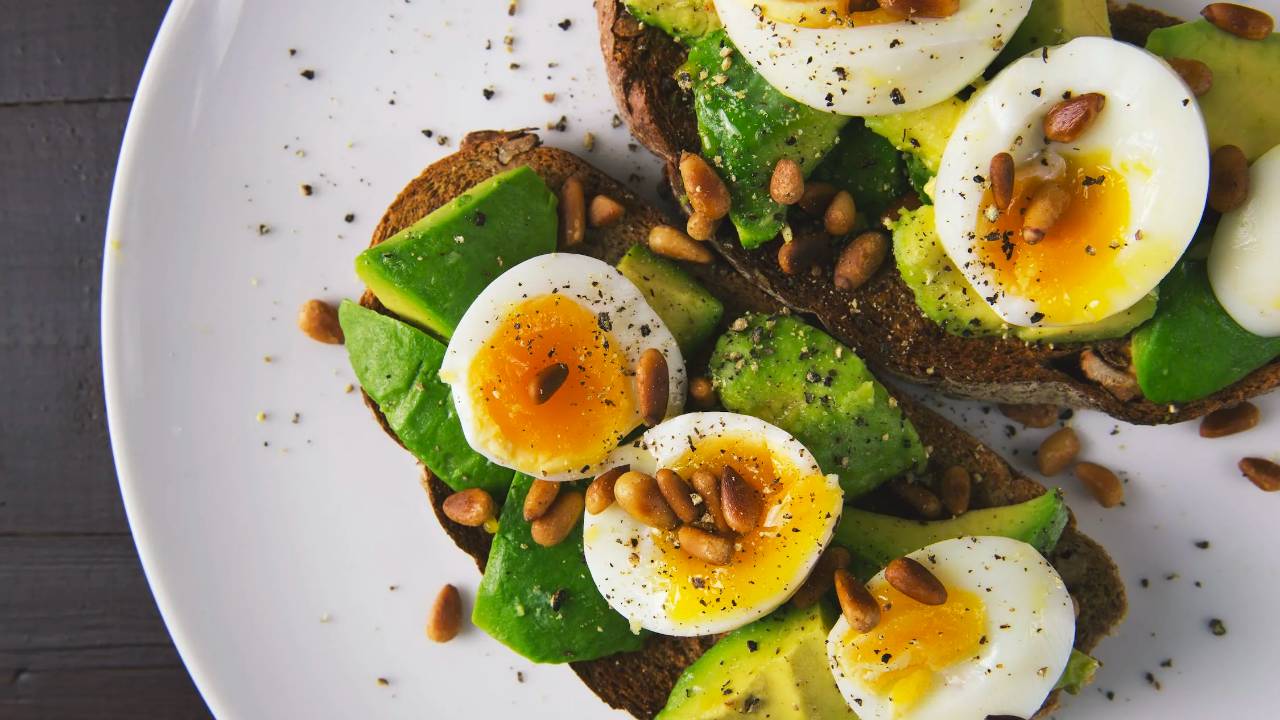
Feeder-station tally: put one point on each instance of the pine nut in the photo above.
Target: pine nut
(1069, 119)
(1229, 421)
(707, 486)
(573, 212)
(677, 494)
(653, 386)
(840, 215)
(1261, 472)
(915, 581)
(1197, 75)
(817, 197)
(955, 490)
(1032, 416)
(1228, 178)
(821, 577)
(859, 608)
(1001, 176)
(1103, 484)
(861, 259)
(741, 502)
(786, 186)
(701, 227)
(702, 393)
(547, 381)
(1123, 385)
(638, 494)
(802, 253)
(445, 619)
(707, 192)
(319, 320)
(604, 211)
(1057, 451)
(600, 491)
(1047, 204)
(1239, 20)
(542, 493)
(705, 546)
(922, 8)
(670, 242)
(918, 497)
(472, 507)
(560, 519)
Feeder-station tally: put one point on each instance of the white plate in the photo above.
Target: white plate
(254, 533)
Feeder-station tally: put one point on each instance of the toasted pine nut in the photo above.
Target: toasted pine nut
(915, 581)
(704, 545)
(817, 196)
(955, 490)
(1032, 416)
(1057, 451)
(319, 320)
(542, 493)
(1120, 383)
(802, 253)
(856, 602)
(573, 212)
(786, 186)
(1069, 119)
(1001, 175)
(670, 242)
(707, 192)
(1228, 178)
(638, 494)
(702, 393)
(600, 491)
(653, 386)
(559, 520)
(707, 486)
(677, 494)
(1103, 484)
(701, 227)
(860, 260)
(741, 502)
(1229, 421)
(922, 8)
(1239, 20)
(821, 577)
(1261, 472)
(445, 619)
(604, 211)
(547, 381)
(472, 507)
(1047, 204)
(1197, 75)
(840, 214)
(920, 498)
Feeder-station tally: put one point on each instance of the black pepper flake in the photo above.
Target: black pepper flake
(896, 96)
(565, 24)
(1202, 544)
(557, 599)
(752, 646)
(1144, 582)
(616, 122)
(308, 74)
(488, 93)
(1217, 627)
(1037, 92)
(307, 189)
(1091, 181)
(894, 43)
(428, 133)
(1036, 317)
(604, 321)
(479, 219)
(264, 229)
(829, 100)
(349, 217)
(293, 51)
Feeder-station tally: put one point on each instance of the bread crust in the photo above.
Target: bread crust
(640, 682)
(881, 319)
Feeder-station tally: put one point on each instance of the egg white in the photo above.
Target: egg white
(1019, 665)
(633, 588)
(1246, 252)
(1151, 128)
(856, 70)
(594, 285)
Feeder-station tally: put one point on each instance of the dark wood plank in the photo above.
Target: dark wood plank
(74, 49)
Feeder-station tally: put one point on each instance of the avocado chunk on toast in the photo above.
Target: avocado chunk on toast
(640, 681)
(881, 320)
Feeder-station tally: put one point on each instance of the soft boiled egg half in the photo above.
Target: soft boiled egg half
(996, 647)
(571, 316)
(1135, 183)
(874, 62)
(646, 576)
(1246, 252)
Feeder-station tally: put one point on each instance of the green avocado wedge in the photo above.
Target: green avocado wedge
(801, 379)
(1169, 353)
(874, 539)
(430, 272)
(1054, 22)
(686, 308)
(746, 127)
(397, 366)
(866, 165)
(1079, 672)
(541, 601)
(684, 20)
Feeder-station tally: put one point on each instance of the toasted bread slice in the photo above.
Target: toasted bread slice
(639, 682)
(881, 319)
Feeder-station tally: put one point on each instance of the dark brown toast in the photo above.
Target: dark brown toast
(881, 319)
(639, 682)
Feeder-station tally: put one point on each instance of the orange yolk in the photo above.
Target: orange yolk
(796, 510)
(825, 13)
(1072, 267)
(914, 642)
(590, 413)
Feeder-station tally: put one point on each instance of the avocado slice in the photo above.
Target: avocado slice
(1241, 108)
(801, 379)
(684, 20)
(686, 308)
(866, 165)
(397, 366)
(1053, 22)
(430, 272)
(1169, 352)
(775, 668)
(923, 133)
(541, 601)
(874, 540)
(1079, 672)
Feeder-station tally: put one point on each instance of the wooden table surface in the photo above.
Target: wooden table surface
(80, 636)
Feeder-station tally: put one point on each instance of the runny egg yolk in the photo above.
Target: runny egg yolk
(826, 13)
(1069, 273)
(591, 411)
(914, 642)
(796, 509)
